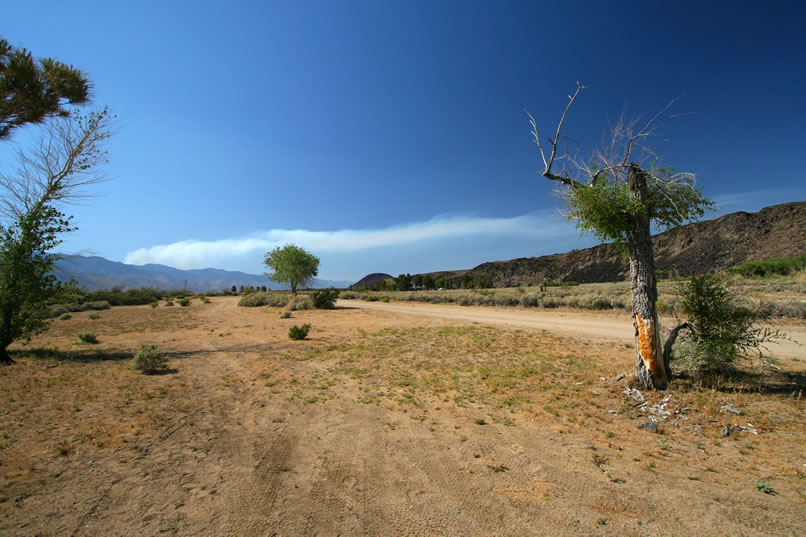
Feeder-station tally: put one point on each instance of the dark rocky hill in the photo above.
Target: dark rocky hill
(698, 248)
(372, 279)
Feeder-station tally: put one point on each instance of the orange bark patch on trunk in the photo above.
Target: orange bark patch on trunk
(646, 343)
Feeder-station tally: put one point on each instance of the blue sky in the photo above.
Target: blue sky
(390, 136)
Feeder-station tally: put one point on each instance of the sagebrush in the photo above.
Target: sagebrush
(299, 332)
(149, 359)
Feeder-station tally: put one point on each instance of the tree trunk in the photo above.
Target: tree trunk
(649, 368)
(5, 358)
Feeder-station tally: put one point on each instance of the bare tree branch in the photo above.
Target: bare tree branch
(67, 158)
(548, 164)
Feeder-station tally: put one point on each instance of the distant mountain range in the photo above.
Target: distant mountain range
(95, 273)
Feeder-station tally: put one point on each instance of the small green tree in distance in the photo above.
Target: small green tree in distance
(292, 265)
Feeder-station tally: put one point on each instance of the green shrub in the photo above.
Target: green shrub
(93, 316)
(349, 296)
(149, 359)
(64, 316)
(371, 298)
(169, 303)
(153, 304)
(782, 266)
(285, 315)
(721, 327)
(325, 299)
(88, 337)
(59, 309)
(184, 302)
(385, 299)
(299, 332)
(256, 299)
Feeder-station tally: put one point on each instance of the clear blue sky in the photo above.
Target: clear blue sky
(390, 136)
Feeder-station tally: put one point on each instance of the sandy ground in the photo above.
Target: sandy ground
(251, 434)
(612, 325)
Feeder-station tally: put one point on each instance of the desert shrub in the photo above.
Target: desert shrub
(130, 297)
(57, 310)
(149, 359)
(93, 316)
(204, 299)
(621, 302)
(298, 303)
(601, 303)
(299, 332)
(385, 299)
(274, 300)
(75, 307)
(153, 304)
(169, 303)
(530, 301)
(349, 296)
(506, 300)
(64, 316)
(88, 337)
(184, 302)
(325, 299)
(722, 327)
(575, 301)
(285, 315)
(795, 310)
(371, 298)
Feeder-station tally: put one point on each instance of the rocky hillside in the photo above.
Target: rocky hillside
(701, 247)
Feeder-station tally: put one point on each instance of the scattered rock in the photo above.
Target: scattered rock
(650, 426)
(726, 431)
(732, 409)
(635, 395)
(618, 378)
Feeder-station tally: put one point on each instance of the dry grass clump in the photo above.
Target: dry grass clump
(784, 296)
(256, 299)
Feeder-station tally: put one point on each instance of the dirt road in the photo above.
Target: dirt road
(610, 325)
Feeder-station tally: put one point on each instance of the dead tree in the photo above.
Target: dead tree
(616, 196)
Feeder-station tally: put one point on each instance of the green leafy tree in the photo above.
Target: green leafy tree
(66, 159)
(292, 265)
(32, 90)
(403, 282)
(617, 197)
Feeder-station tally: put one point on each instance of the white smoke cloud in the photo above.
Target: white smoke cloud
(189, 254)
